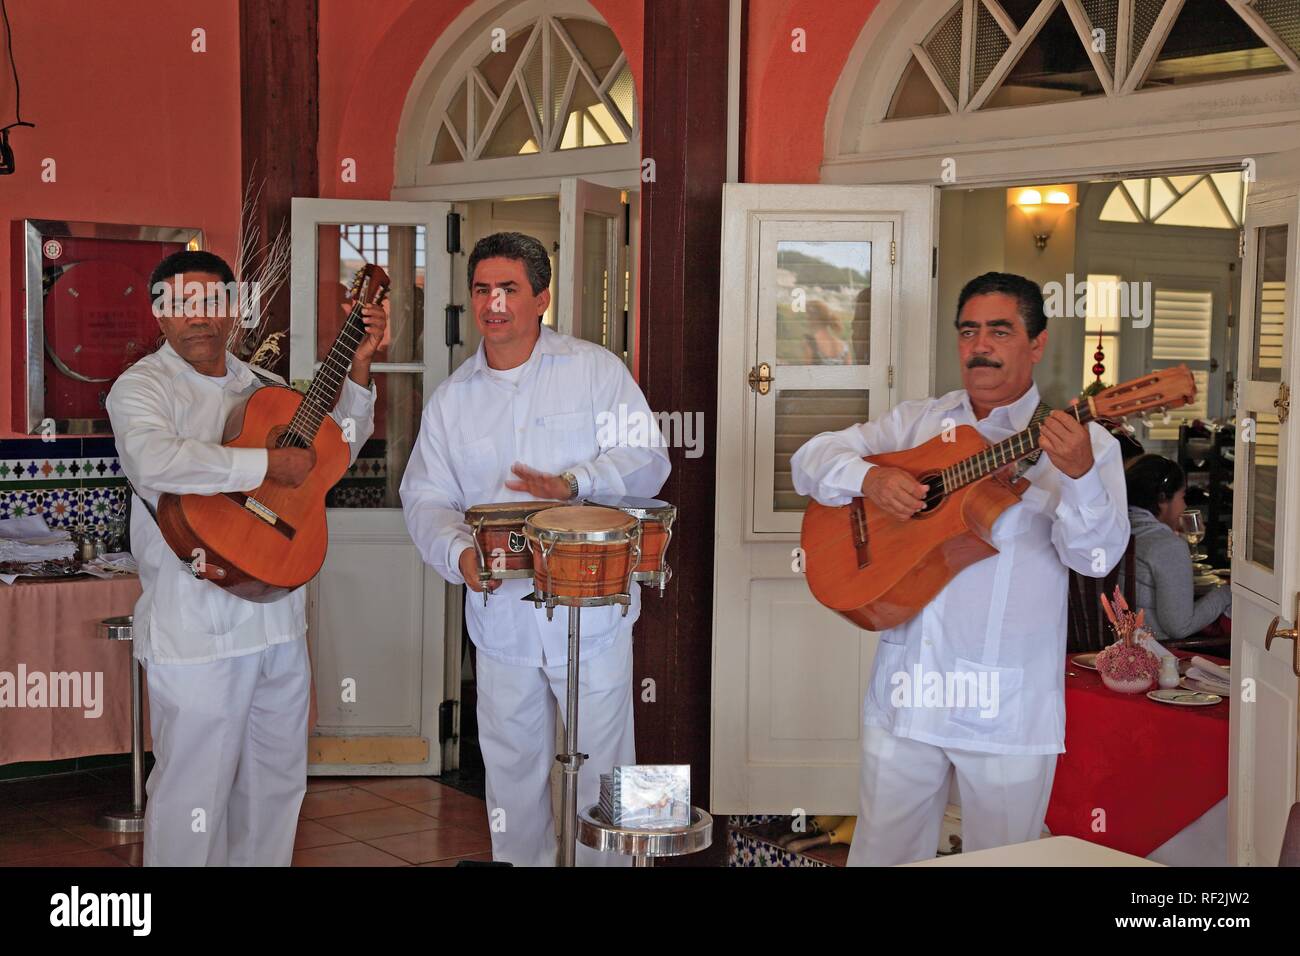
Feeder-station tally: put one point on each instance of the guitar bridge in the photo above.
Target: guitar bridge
(858, 525)
(263, 512)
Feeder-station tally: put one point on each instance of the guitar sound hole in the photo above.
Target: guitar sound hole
(934, 494)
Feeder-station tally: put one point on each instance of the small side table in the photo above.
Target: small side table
(116, 817)
(641, 844)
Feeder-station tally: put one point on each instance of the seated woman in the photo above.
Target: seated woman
(1163, 565)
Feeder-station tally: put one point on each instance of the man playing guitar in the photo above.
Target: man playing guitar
(228, 678)
(998, 627)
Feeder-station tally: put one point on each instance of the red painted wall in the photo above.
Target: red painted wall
(142, 130)
(787, 94)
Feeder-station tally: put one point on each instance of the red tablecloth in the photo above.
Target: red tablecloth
(1152, 768)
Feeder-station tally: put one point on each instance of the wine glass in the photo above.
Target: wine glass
(1192, 527)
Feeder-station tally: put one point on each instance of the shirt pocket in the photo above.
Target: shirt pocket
(570, 437)
(476, 465)
(1019, 517)
(986, 699)
(890, 660)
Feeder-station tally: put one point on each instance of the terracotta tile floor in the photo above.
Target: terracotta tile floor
(345, 821)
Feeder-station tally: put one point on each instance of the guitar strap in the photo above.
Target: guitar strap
(1040, 413)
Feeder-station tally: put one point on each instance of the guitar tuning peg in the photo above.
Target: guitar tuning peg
(1165, 417)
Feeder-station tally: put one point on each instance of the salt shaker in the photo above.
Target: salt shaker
(1168, 672)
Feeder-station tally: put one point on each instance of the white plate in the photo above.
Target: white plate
(1183, 698)
(1201, 580)
(1086, 661)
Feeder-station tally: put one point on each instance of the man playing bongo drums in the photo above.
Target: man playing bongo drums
(520, 420)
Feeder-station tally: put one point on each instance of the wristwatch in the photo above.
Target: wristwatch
(573, 483)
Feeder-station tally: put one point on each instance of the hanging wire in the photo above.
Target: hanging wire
(18, 93)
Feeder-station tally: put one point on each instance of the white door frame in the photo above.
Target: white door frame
(377, 526)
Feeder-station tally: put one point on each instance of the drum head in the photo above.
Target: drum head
(582, 523)
(506, 512)
(637, 507)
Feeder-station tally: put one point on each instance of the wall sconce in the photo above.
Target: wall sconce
(1044, 214)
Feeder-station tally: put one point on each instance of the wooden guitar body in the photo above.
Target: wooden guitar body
(878, 571)
(266, 542)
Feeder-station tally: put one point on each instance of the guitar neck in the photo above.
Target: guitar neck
(324, 390)
(1009, 450)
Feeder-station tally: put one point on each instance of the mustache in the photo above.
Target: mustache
(979, 361)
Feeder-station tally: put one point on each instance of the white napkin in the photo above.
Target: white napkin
(1154, 646)
(1209, 673)
(31, 539)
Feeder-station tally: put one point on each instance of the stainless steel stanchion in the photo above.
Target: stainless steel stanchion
(118, 818)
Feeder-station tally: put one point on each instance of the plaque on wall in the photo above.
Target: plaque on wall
(88, 316)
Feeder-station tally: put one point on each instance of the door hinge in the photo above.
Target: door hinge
(891, 376)
(934, 262)
(452, 335)
(453, 232)
(1229, 544)
(1241, 243)
(446, 721)
(760, 378)
(893, 252)
(1283, 402)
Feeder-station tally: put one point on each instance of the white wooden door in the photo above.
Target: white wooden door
(1265, 704)
(830, 287)
(376, 612)
(591, 289)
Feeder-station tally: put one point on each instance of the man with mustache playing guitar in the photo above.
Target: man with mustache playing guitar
(1000, 624)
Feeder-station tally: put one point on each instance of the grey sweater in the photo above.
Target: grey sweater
(1164, 581)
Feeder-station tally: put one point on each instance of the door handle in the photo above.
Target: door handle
(1291, 634)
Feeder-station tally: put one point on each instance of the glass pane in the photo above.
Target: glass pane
(823, 303)
(496, 67)
(513, 132)
(1102, 302)
(1145, 14)
(400, 250)
(445, 149)
(596, 42)
(944, 47)
(802, 413)
(1104, 15)
(373, 479)
(1117, 208)
(1261, 505)
(561, 66)
(1200, 206)
(1209, 41)
(990, 43)
(622, 91)
(916, 95)
(1270, 304)
(1054, 67)
(458, 111)
(595, 278)
(1284, 17)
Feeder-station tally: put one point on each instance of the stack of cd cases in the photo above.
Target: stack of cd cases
(647, 796)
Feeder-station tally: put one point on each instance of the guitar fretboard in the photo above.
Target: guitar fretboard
(324, 390)
(984, 463)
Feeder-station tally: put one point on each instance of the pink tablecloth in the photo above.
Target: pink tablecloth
(49, 627)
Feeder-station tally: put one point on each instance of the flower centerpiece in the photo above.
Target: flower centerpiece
(1126, 666)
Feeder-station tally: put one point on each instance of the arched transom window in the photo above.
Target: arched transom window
(559, 83)
(986, 54)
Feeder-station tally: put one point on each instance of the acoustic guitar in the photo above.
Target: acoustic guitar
(262, 544)
(879, 571)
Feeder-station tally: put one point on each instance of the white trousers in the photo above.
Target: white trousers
(516, 732)
(230, 750)
(904, 790)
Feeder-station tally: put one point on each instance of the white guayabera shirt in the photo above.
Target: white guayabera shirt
(554, 415)
(168, 420)
(982, 667)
